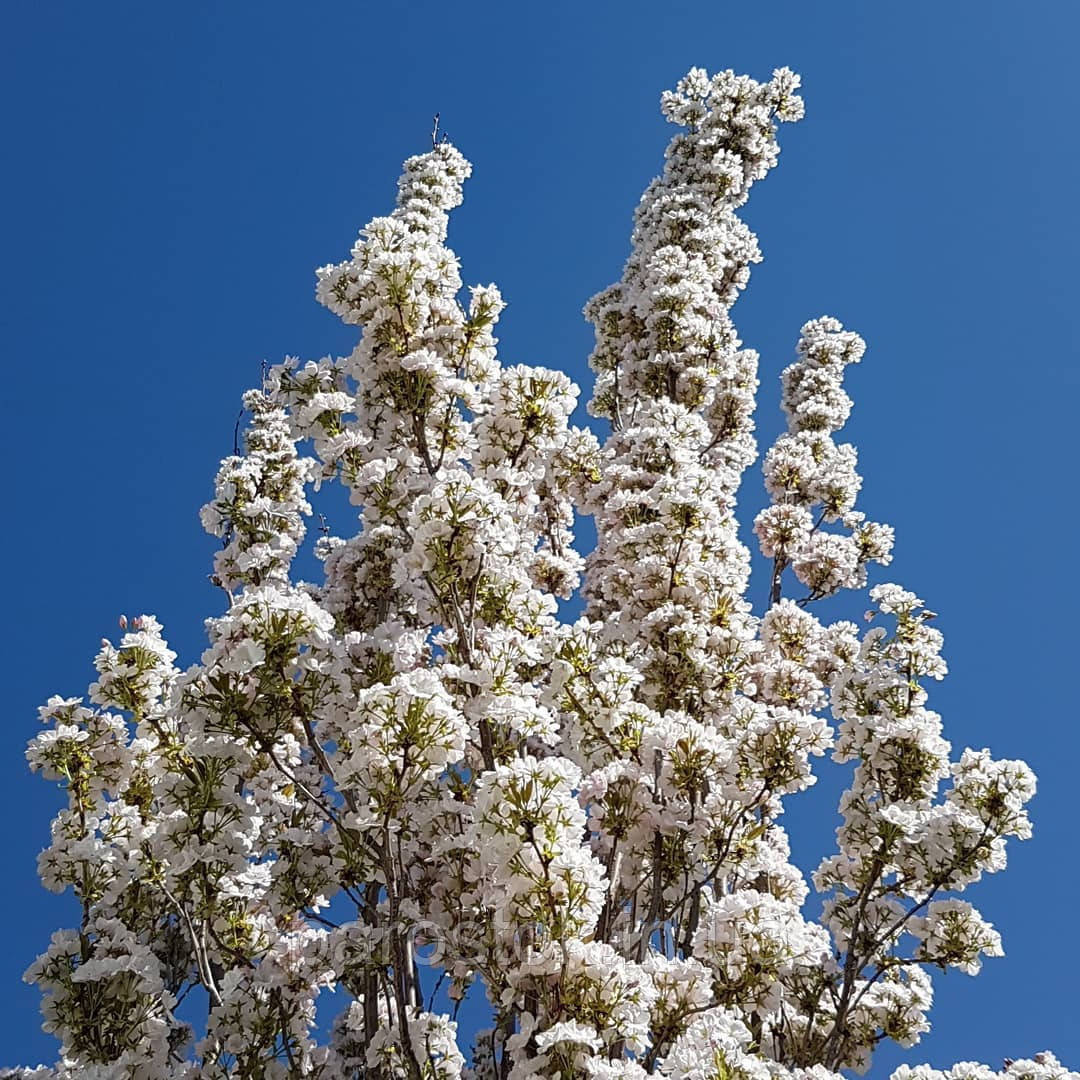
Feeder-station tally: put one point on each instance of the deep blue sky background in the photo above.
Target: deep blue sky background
(173, 174)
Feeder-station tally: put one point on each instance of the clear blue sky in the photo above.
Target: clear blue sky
(174, 172)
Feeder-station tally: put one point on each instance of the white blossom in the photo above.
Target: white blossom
(416, 761)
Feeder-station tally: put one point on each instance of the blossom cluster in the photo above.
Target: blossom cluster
(413, 783)
(807, 473)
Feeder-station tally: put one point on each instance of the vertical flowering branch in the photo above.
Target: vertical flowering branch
(812, 480)
(415, 759)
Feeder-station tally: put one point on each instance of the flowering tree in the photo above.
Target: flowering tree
(414, 783)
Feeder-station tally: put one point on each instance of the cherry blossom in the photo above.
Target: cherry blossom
(416, 781)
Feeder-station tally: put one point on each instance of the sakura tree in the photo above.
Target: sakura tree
(414, 784)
